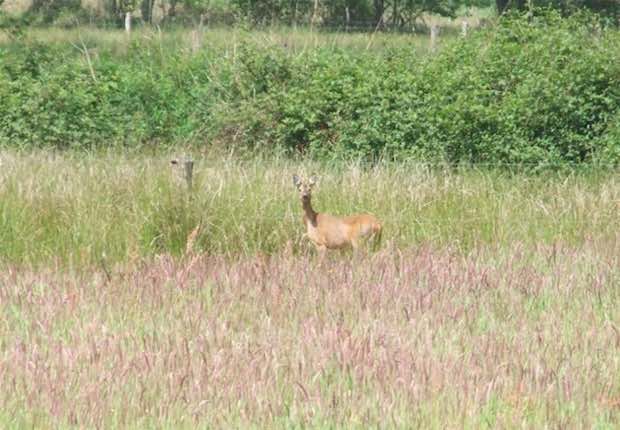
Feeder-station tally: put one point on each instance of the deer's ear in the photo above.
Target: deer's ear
(313, 180)
(296, 180)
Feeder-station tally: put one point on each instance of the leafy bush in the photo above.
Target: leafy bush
(539, 91)
(52, 98)
(535, 92)
(525, 92)
(607, 10)
(64, 13)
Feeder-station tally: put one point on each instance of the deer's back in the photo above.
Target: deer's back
(337, 232)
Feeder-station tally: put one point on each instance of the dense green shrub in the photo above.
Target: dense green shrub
(63, 13)
(526, 92)
(50, 97)
(545, 91)
(541, 91)
(607, 10)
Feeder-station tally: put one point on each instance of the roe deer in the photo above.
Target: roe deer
(334, 232)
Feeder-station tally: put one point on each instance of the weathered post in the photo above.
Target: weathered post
(188, 171)
(196, 40)
(128, 22)
(197, 34)
(434, 37)
(188, 166)
(464, 28)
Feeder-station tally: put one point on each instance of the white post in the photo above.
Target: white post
(464, 28)
(128, 22)
(196, 40)
(434, 37)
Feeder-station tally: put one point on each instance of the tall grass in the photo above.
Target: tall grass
(80, 210)
(297, 40)
(524, 337)
(128, 302)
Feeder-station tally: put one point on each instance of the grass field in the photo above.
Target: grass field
(423, 337)
(129, 301)
(494, 301)
(228, 39)
(76, 208)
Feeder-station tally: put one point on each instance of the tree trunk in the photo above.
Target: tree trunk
(379, 10)
(395, 9)
(172, 11)
(315, 14)
(503, 5)
(146, 7)
(113, 11)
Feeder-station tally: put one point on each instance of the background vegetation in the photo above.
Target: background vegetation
(533, 91)
(400, 15)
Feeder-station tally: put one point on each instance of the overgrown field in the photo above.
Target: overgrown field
(128, 302)
(532, 92)
(77, 209)
(424, 337)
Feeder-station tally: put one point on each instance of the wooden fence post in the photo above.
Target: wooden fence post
(464, 28)
(188, 166)
(434, 37)
(188, 171)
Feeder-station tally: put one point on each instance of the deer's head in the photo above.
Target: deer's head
(304, 186)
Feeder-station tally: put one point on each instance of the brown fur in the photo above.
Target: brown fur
(334, 232)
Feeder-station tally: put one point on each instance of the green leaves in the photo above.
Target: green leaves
(526, 92)
(52, 99)
(543, 91)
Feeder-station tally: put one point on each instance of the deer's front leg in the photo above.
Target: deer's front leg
(322, 250)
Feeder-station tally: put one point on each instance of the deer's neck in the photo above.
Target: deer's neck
(309, 213)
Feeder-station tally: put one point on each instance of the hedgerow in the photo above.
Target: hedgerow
(537, 90)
